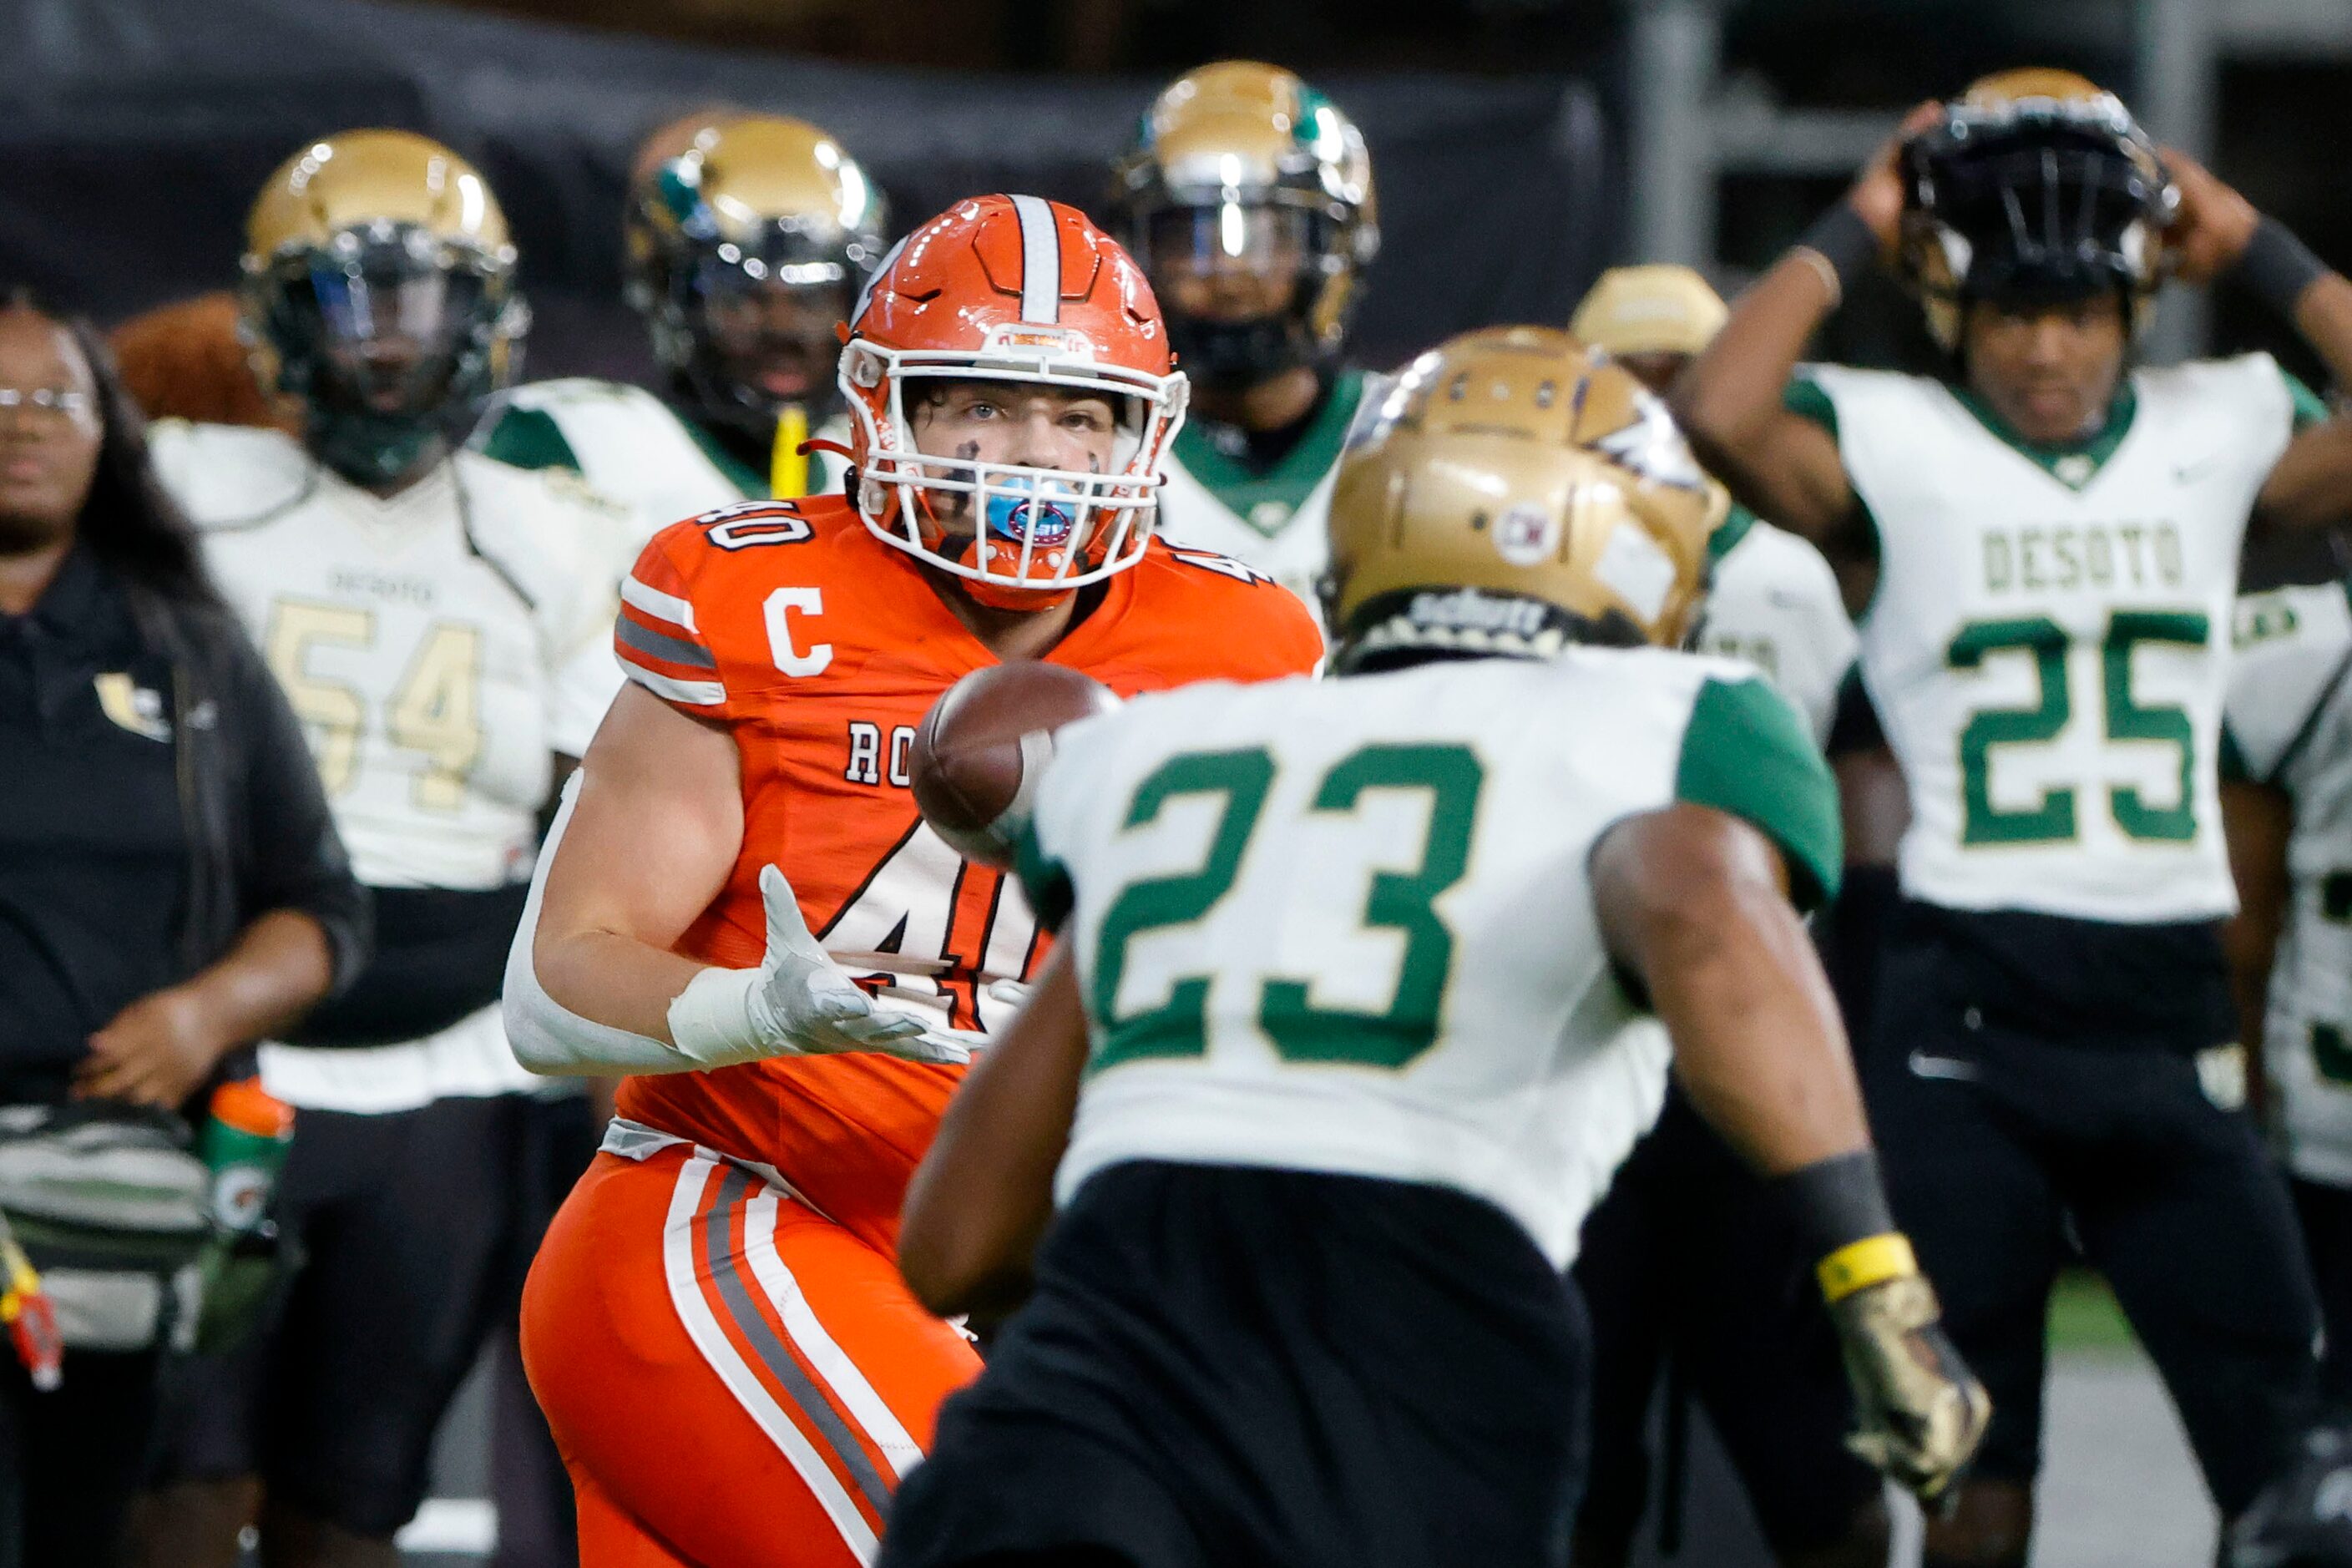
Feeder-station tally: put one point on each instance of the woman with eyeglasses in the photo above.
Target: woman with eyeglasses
(172, 888)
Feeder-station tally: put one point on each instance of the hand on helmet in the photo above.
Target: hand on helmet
(1877, 191)
(2214, 224)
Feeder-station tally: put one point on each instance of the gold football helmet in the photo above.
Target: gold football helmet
(1659, 309)
(379, 291)
(1652, 321)
(1513, 493)
(749, 237)
(2037, 185)
(1247, 197)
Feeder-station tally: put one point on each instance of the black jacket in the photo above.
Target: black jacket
(258, 832)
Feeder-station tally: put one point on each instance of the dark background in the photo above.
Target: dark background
(133, 133)
(128, 156)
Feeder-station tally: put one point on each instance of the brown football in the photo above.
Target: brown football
(970, 759)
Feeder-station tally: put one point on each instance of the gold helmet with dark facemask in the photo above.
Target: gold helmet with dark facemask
(1244, 186)
(379, 292)
(1513, 494)
(2037, 186)
(748, 238)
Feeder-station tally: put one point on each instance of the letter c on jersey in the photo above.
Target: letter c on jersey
(778, 610)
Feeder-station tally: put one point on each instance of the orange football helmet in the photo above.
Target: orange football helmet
(1022, 290)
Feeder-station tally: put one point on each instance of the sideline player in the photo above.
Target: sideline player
(1350, 974)
(2053, 536)
(2287, 802)
(1247, 197)
(733, 1370)
(439, 622)
(1686, 1256)
(747, 237)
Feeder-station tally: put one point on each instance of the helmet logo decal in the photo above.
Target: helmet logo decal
(1524, 534)
(1041, 260)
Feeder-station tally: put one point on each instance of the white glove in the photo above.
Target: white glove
(797, 1003)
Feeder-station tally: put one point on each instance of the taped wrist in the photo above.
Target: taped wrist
(2277, 267)
(1841, 239)
(714, 1018)
(1840, 1209)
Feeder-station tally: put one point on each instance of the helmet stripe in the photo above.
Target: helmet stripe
(1041, 260)
(865, 294)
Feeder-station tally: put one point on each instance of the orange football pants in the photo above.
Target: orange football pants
(734, 1380)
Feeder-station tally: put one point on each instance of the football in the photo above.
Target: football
(977, 757)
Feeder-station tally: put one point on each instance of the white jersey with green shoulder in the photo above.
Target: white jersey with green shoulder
(1346, 926)
(2050, 635)
(634, 450)
(1773, 602)
(2289, 725)
(1272, 519)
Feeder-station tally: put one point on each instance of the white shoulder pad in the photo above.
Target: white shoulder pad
(225, 476)
(564, 545)
(2291, 644)
(573, 392)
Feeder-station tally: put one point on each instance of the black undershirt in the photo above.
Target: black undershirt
(93, 847)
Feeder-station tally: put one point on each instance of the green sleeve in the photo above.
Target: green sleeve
(1803, 396)
(2310, 408)
(1044, 880)
(1728, 533)
(1746, 752)
(528, 439)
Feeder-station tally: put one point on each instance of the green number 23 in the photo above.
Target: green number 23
(2052, 817)
(1301, 1030)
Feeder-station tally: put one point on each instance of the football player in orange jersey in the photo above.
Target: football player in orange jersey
(715, 1325)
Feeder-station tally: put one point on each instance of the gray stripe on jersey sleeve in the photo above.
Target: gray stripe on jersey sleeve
(655, 645)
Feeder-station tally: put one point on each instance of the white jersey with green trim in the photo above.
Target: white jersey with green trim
(1275, 520)
(2289, 725)
(2050, 636)
(1347, 926)
(1773, 602)
(440, 645)
(634, 450)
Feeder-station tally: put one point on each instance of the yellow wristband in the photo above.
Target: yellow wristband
(1859, 1265)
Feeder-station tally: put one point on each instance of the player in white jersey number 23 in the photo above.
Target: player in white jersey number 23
(1358, 1005)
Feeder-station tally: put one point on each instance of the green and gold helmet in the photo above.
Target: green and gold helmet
(379, 292)
(1247, 197)
(2037, 186)
(749, 237)
(1513, 493)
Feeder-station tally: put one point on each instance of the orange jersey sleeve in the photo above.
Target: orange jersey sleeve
(681, 605)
